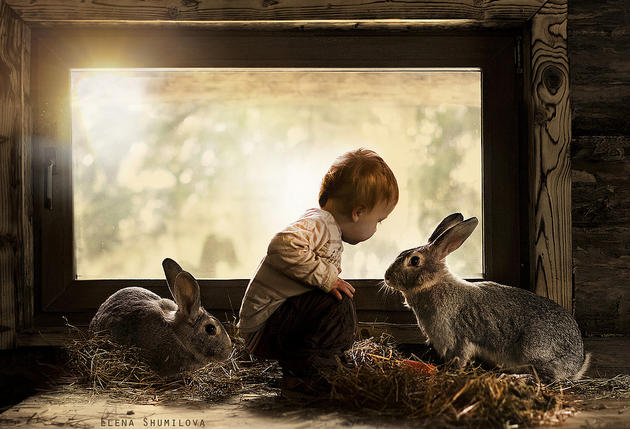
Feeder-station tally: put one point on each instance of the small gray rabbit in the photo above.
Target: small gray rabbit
(173, 336)
(502, 325)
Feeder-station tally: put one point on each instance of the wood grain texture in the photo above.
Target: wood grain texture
(599, 51)
(249, 10)
(602, 276)
(25, 272)
(13, 138)
(599, 41)
(550, 169)
(406, 333)
(601, 168)
(218, 295)
(601, 235)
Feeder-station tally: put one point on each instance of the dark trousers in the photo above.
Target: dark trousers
(308, 332)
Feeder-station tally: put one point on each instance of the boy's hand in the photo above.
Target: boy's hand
(342, 286)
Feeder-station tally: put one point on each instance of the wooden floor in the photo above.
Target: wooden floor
(78, 408)
(81, 410)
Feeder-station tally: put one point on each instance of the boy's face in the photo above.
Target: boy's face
(364, 222)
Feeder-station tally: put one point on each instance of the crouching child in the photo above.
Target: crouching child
(296, 308)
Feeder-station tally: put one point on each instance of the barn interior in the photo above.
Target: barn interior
(542, 86)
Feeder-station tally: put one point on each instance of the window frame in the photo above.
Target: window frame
(505, 172)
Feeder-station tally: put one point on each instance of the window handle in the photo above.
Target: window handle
(48, 199)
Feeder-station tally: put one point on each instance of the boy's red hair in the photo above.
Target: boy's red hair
(359, 178)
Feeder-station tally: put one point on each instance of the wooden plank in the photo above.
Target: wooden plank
(391, 26)
(610, 356)
(46, 337)
(25, 272)
(550, 170)
(222, 295)
(601, 236)
(601, 167)
(600, 80)
(599, 36)
(402, 333)
(133, 46)
(7, 297)
(602, 276)
(13, 35)
(274, 10)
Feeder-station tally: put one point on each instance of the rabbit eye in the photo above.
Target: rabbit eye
(415, 260)
(211, 329)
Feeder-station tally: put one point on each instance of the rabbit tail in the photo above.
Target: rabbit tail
(587, 361)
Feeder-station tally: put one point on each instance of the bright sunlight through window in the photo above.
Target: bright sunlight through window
(206, 165)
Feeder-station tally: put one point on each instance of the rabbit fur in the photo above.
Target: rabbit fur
(506, 326)
(173, 336)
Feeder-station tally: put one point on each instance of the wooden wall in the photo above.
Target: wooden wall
(599, 54)
(15, 196)
(598, 155)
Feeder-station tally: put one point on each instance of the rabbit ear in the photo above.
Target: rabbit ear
(453, 237)
(171, 269)
(187, 294)
(448, 222)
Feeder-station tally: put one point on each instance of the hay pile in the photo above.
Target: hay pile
(375, 378)
(107, 367)
(378, 378)
(595, 389)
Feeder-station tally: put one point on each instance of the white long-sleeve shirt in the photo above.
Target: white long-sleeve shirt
(304, 255)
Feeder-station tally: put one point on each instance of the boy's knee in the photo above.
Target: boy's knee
(347, 304)
(346, 311)
(342, 307)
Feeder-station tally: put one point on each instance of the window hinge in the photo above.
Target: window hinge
(518, 54)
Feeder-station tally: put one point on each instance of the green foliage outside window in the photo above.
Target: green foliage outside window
(205, 167)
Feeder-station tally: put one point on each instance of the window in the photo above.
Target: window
(206, 165)
(106, 204)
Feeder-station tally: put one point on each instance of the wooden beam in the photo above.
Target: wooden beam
(273, 10)
(550, 169)
(14, 172)
(25, 272)
(402, 333)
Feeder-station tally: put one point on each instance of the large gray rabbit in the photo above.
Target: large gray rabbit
(173, 336)
(503, 325)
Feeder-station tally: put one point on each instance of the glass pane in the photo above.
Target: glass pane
(206, 165)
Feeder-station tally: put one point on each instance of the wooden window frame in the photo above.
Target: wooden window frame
(55, 54)
(546, 122)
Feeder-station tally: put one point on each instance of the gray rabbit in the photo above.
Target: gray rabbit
(173, 336)
(503, 325)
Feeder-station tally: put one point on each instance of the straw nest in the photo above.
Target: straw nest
(107, 367)
(593, 389)
(381, 379)
(374, 378)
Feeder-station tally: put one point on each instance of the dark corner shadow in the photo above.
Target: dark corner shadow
(26, 371)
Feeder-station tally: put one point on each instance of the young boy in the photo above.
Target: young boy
(296, 308)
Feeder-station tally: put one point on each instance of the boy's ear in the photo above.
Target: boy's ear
(357, 212)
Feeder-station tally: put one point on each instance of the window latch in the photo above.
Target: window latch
(518, 54)
(48, 185)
